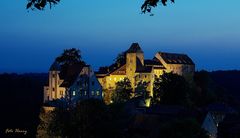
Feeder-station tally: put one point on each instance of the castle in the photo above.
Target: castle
(76, 83)
(136, 68)
(81, 82)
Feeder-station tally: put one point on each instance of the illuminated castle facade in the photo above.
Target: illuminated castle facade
(76, 83)
(136, 68)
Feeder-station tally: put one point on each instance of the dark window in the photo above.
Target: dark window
(53, 75)
(53, 89)
(145, 76)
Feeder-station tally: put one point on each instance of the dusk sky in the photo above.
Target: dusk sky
(207, 30)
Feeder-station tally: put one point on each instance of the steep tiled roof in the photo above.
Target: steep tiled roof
(71, 74)
(144, 69)
(173, 58)
(135, 48)
(111, 68)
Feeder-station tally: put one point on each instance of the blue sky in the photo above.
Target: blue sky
(208, 31)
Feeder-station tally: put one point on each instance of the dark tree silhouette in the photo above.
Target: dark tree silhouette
(172, 89)
(69, 57)
(123, 91)
(41, 4)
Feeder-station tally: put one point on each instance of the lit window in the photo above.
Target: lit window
(85, 92)
(74, 93)
(110, 78)
(97, 93)
(61, 92)
(92, 92)
(115, 79)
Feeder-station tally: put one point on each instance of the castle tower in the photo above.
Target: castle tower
(134, 58)
(52, 91)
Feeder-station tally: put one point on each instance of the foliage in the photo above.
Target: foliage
(205, 89)
(107, 97)
(41, 4)
(184, 128)
(60, 123)
(172, 89)
(156, 91)
(69, 57)
(89, 119)
(141, 90)
(43, 127)
(120, 57)
(123, 91)
(149, 4)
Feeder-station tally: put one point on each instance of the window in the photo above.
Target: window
(53, 89)
(115, 79)
(74, 93)
(61, 92)
(145, 76)
(92, 92)
(92, 82)
(97, 93)
(110, 78)
(53, 75)
(85, 92)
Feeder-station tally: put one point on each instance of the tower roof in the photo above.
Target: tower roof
(135, 48)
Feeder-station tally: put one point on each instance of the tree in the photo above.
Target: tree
(205, 89)
(141, 90)
(44, 125)
(120, 58)
(123, 91)
(89, 119)
(156, 91)
(142, 93)
(172, 89)
(69, 57)
(149, 4)
(107, 97)
(182, 128)
(41, 4)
